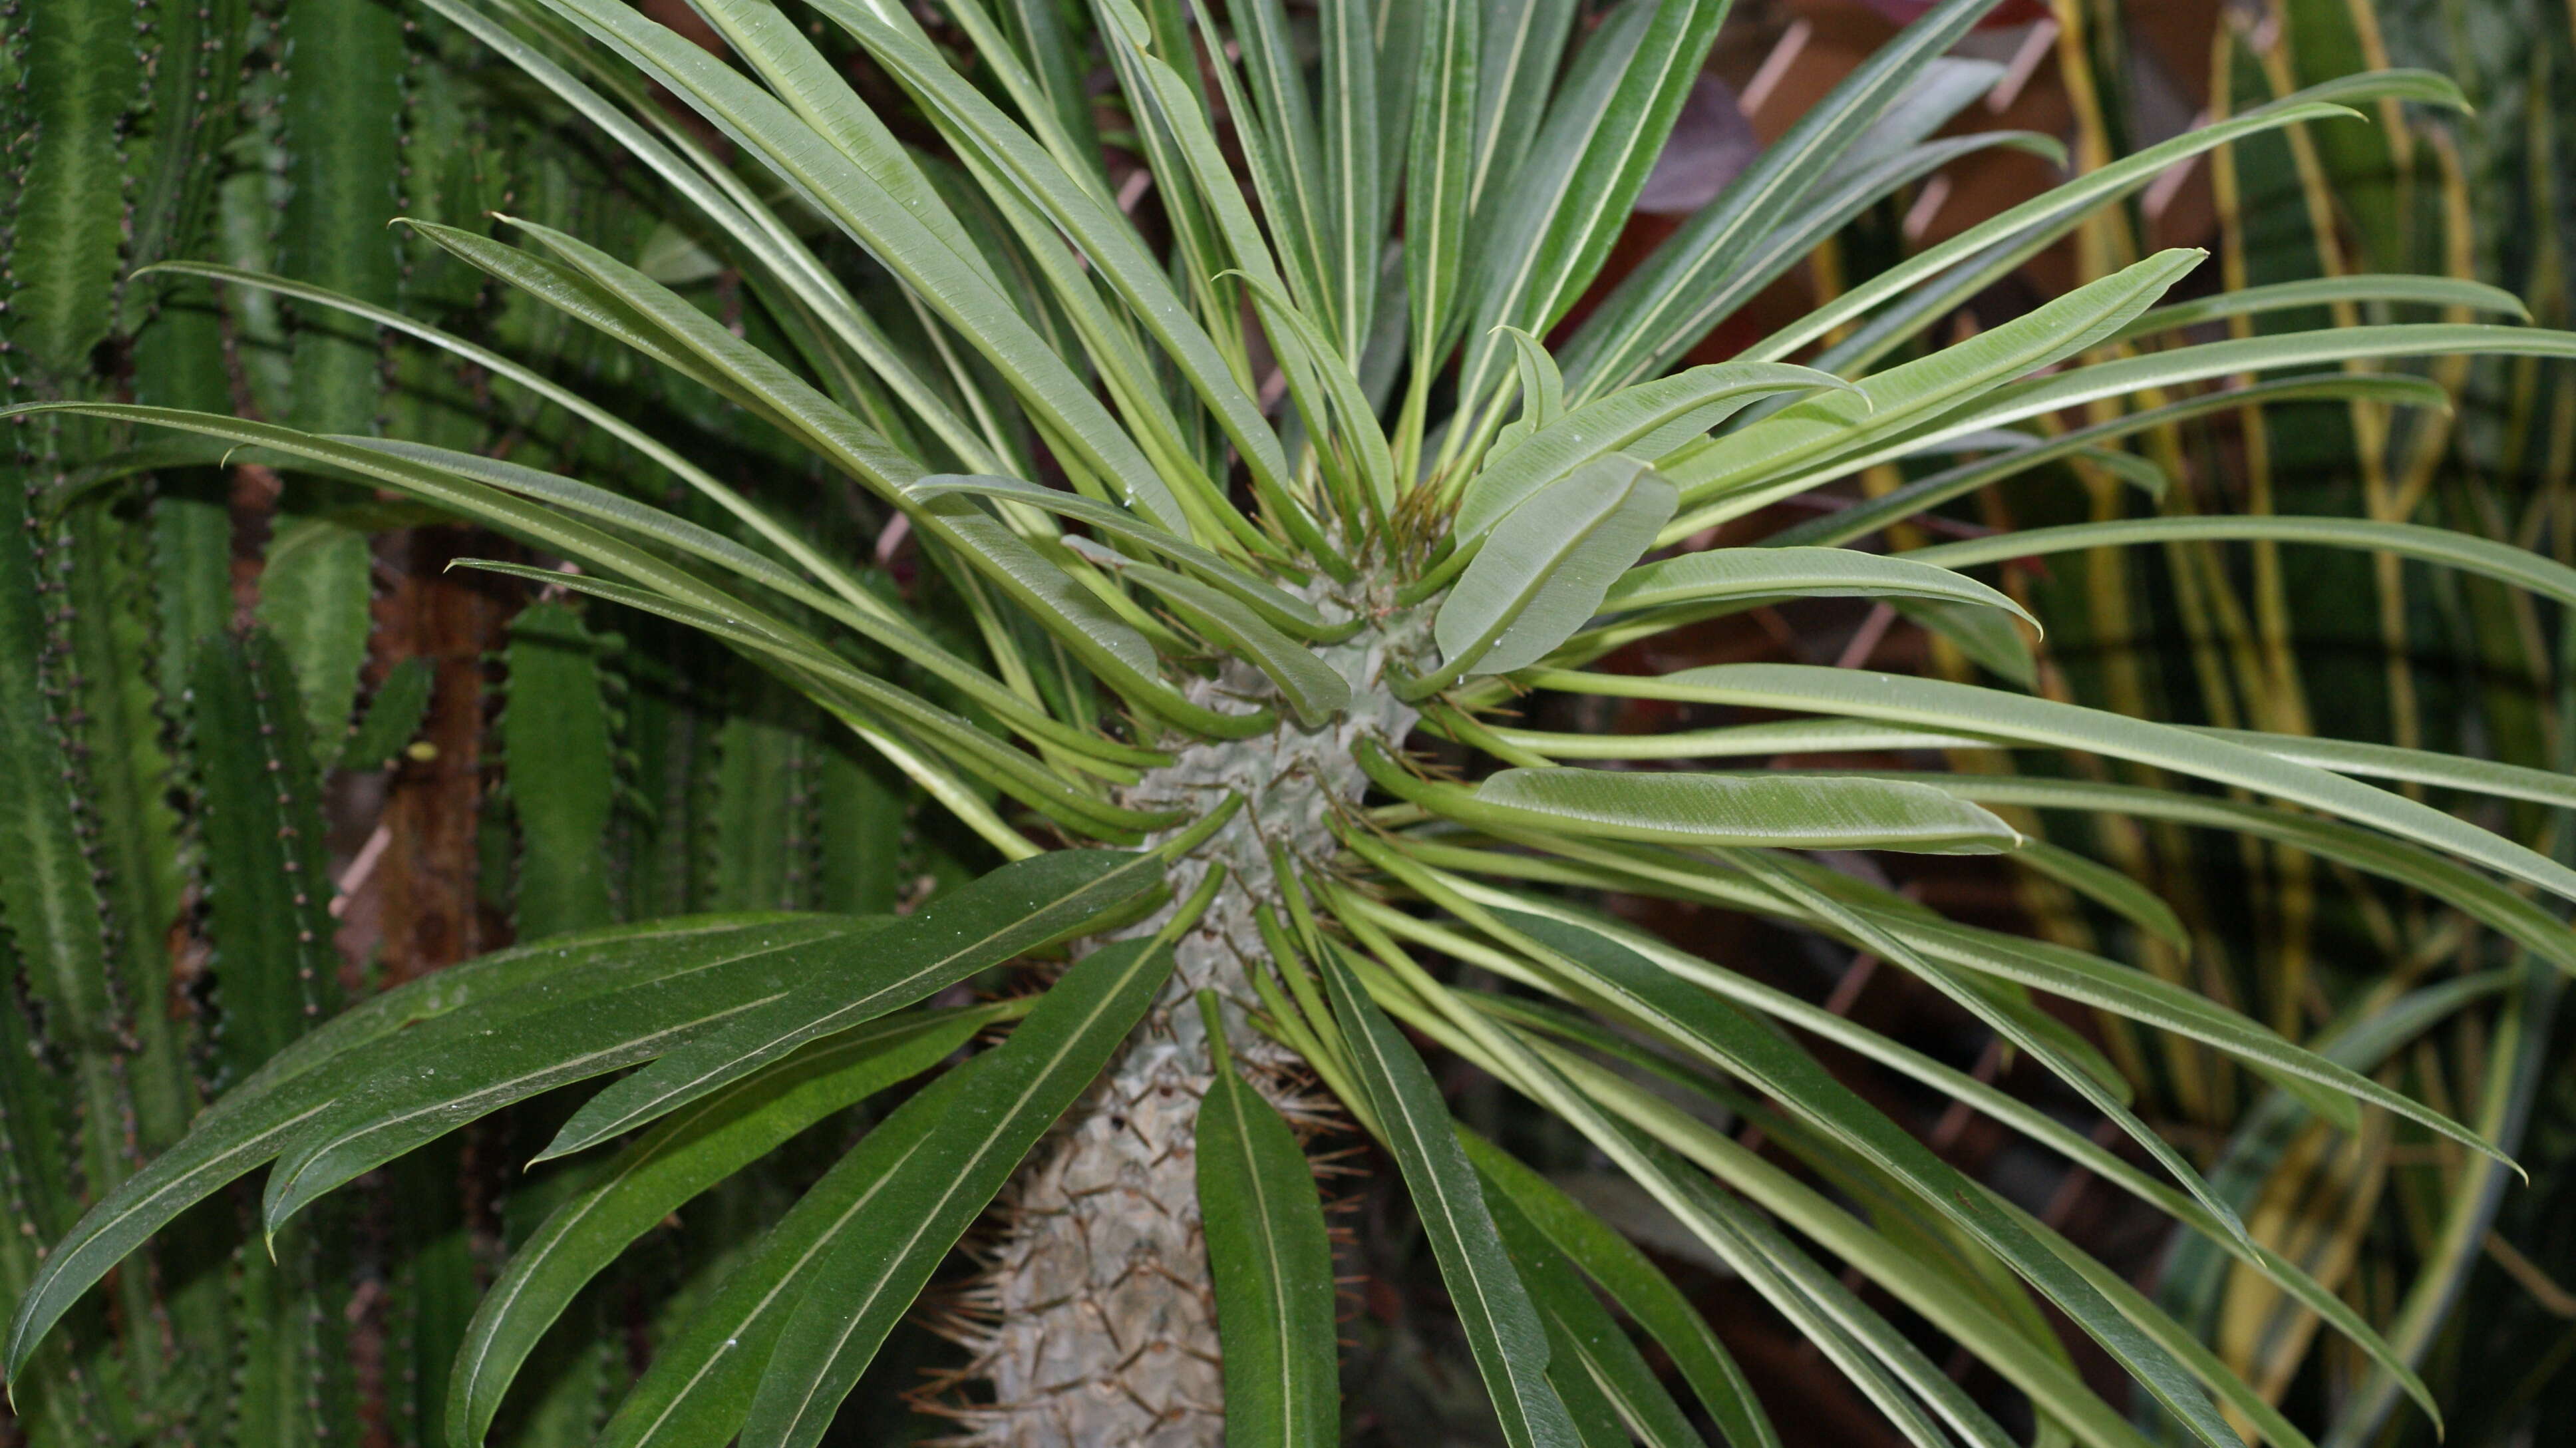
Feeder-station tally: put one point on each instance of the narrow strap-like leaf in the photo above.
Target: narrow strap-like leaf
(1016, 909)
(1282, 608)
(2040, 722)
(853, 1297)
(1649, 315)
(1997, 1104)
(1922, 494)
(1748, 573)
(1552, 229)
(1583, 1338)
(1639, 1288)
(2423, 291)
(1754, 808)
(1891, 401)
(686, 1153)
(892, 231)
(249, 1124)
(1503, 1329)
(1439, 175)
(700, 1385)
(1271, 1266)
(1315, 693)
(2446, 547)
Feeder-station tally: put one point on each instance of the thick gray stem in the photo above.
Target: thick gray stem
(1100, 1325)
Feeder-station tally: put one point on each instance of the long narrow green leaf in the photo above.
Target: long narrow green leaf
(854, 1296)
(1518, 52)
(2518, 567)
(1757, 573)
(1648, 319)
(2053, 212)
(2123, 895)
(700, 1385)
(1992, 1101)
(1889, 1370)
(434, 1079)
(1639, 1288)
(1110, 242)
(2427, 291)
(2143, 374)
(688, 1152)
(882, 626)
(2418, 766)
(1015, 773)
(1016, 909)
(1503, 1329)
(893, 231)
(2488, 901)
(1084, 624)
(1586, 1345)
(1552, 228)
(753, 227)
(1891, 401)
(1941, 705)
(247, 1126)
(1282, 608)
(1636, 988)
(1766, 809)
(1937, 1295)
(1923, 494)
(1352, 176)
(1270, 1264)
(1439, 177)
(1315, 693)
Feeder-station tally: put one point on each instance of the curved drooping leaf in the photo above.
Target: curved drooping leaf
(1588, 1349)
(2504, 563)
(1639, 1288)
(2426, 291)
(700, 1385)
(687, 1152)
(1886, 403)
(430, 1081)
(1722, 574)
(1946, 706)
(1270, 1264)
(2107, 887)
(1887, 1368)
(1021, 907)
(895, 228)
(248, 1126)
(1651, 315)
(1281, 608)
(2002, 1106)
(2418, 766)
(1786, 811)
(1870, 514)
(1503, 1329)
(854, 1296)
(2485, 900)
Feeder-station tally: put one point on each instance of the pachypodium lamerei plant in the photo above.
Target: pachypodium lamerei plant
(1238, 512)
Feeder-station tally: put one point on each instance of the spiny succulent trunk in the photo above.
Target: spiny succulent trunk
(1099, 1326)
(1103, 1328)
